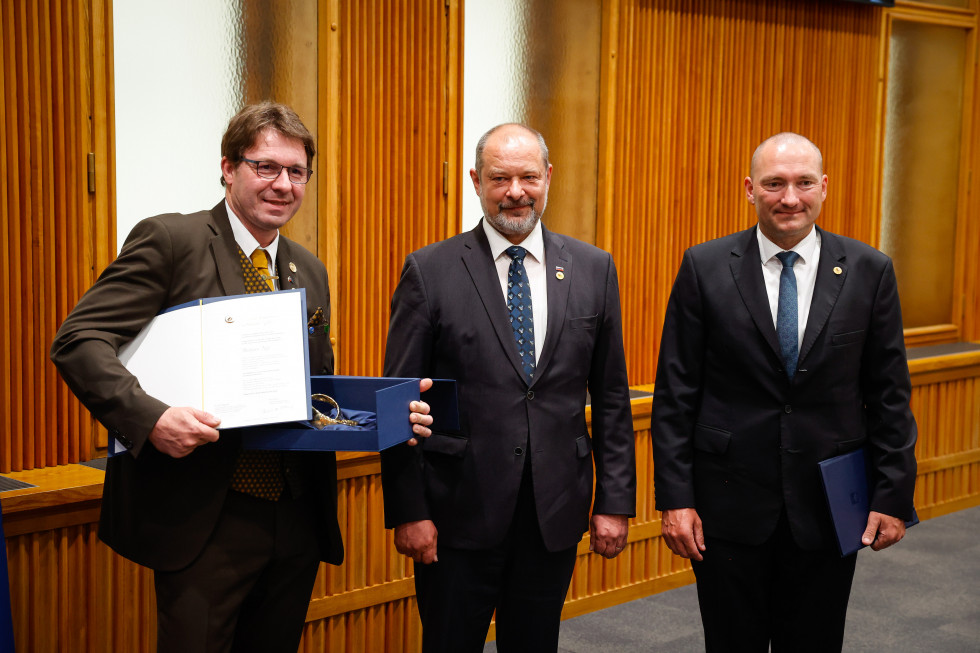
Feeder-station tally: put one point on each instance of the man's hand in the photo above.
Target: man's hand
(882, 531)
(607, 534)
(181, 430)
(420, 417)
(682, 532)
(417, 540)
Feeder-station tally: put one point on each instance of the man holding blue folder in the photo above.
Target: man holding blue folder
(782, 347)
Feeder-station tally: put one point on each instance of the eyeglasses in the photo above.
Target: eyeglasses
(272, 170)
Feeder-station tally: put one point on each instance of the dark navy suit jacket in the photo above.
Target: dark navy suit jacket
(734, 437)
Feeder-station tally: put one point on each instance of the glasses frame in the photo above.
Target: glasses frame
(254, 165)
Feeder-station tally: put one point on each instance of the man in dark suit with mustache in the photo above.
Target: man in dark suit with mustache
(526, 321)
(234, 557)
(782, 346)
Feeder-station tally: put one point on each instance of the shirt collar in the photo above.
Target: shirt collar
(533, 243)
(805, 248)
(247, 241)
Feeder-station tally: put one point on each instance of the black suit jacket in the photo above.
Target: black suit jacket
(734, 438)
(156, 510)
(449, 320)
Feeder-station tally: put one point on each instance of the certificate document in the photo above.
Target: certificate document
(244, 358)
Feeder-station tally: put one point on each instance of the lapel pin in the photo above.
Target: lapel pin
(559, 272)
(292, 266)
(837, 270)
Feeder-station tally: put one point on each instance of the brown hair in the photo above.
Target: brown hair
(246, 125)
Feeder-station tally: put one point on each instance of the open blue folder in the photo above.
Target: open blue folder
(845, 483)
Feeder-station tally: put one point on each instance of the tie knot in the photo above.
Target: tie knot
(788, 259)
(260, 259)
(517, 253)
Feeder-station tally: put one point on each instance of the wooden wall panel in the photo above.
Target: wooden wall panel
(69, 592)
(55, 234)
(947, 410)
(398, 115)
(695, 86)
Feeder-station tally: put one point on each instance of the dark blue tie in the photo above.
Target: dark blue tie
(787, 315)
(519, 309)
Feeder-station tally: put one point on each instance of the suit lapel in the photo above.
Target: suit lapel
(747, 271)
(224, 249)
(290, 276)
(831, 273)
(555, 256)
(479, 263)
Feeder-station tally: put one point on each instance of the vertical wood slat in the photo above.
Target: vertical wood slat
(54, 235)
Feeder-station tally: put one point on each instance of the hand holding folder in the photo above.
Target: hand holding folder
(845, 484)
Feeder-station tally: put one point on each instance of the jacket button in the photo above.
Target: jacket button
(518, 451)
(787, 409)
(530, 394)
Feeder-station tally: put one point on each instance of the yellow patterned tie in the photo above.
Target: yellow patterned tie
(258, 473)
(260, 260)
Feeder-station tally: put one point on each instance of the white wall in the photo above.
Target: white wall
(494, 41)
(177, 81)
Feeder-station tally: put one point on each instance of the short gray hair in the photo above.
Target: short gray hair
(482, 143)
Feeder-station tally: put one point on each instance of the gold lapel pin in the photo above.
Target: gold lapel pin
(292, 266)
(559, 272)
(837, 270)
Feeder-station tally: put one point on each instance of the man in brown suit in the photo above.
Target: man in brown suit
(233, 567)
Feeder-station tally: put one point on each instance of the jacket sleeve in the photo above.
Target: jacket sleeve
(613, 439)
(127, 295)
(677, 393)
(408, 353)
(887, 389)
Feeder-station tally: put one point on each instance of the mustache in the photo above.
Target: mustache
(516, 205)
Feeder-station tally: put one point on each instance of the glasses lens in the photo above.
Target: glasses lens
(268, 169)
(298, 175)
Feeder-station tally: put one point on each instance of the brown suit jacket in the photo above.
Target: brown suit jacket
(156, 510)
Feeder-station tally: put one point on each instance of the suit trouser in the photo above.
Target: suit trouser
(250, 587)
(524, 581)
(773, 592)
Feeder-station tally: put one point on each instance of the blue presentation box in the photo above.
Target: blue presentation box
(388, 398)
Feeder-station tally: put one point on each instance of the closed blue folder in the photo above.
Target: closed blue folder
(845, 483)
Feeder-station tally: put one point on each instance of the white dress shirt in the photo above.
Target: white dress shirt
(805, 269)
(534, 266)
(248, 243)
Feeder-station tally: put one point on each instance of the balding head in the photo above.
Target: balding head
(509, 129)
(778, 141)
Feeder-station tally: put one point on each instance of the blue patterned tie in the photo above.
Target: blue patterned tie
(787, 316)
(519, 309)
